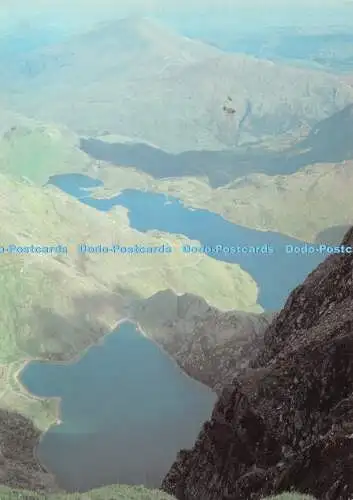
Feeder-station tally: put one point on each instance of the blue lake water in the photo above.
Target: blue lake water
(277, 274)
(126, 411)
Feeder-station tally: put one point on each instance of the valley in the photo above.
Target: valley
(124, 374)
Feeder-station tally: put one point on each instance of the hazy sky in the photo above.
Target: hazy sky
(270, 11)
(153, 4)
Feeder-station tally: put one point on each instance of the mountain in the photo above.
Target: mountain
(38, 322)
(302, 205)
(324, 48)
(208, 344)
(300, 191)
(287, 422)
(329, 141)
(136, 78)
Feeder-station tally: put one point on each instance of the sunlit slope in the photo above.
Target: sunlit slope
(136, 78)
(36, 151)
(300, 205)
(317, 196)
(55, 306)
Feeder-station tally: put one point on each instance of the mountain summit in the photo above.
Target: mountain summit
(131, 33)
(137, 78)
(287, 422)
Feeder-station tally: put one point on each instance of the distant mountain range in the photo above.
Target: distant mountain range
(330, 140)
(326, 48)
(300, 191)
(315, 197)
(136, 78)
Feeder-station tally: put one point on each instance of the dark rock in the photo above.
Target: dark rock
(210, 345)
(18, 465)
(325, 469)
(287, 422)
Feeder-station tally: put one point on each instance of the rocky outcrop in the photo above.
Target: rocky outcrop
(287, 422)
(18, 465)
(210, 345)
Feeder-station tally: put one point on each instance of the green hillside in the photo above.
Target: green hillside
(117, 493)
(35, 151)
(301, 205)
(39, 321)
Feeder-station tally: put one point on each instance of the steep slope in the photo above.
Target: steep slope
(135, 78)
(208, 344)
(287, 422)
(18, 466)
(23, 478)
(38, 321)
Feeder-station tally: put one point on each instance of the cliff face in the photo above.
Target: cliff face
(287, 423)
(18, 465)
(210, 345)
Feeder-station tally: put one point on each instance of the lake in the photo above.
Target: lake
(277, 274)
(126, 410)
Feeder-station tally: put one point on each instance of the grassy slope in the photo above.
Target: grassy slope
(39, 284)
(299, 205)
(38, 320)
(117, 493)
(33, 150)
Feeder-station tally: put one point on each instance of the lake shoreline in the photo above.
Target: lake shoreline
(59, 420)
(28, 394)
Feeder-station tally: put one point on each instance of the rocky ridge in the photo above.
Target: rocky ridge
(208, 344)
(19, 467)
(287, 422)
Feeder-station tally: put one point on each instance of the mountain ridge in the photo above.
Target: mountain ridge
(171, 90)
(287, 422)
(209, 345)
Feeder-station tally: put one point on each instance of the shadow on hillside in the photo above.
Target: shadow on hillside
(328, 142)
(332, 235)
(82, 322)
